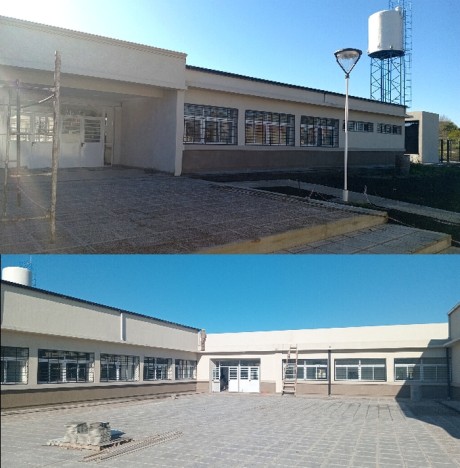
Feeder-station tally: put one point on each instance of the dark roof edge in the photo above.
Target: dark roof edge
(286, 85)
(83, 301)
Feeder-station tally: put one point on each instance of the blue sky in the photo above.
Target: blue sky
(290, 41)
(249, 293)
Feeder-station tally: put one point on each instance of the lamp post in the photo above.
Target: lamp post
(347, 59)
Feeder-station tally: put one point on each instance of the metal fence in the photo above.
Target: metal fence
(449, 150)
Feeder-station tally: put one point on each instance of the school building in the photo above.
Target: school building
(133, 105)
(58, 349)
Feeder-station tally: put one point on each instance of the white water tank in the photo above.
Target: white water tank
(386, 34)
(17, 275)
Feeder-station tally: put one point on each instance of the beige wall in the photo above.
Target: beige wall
(428, 138)
(454, 345)
(225, 90)
(33, 311)
(31, 45)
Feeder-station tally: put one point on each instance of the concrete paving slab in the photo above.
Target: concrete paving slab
(123, 210)
(244, 430)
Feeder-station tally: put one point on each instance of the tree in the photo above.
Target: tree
(447, 129)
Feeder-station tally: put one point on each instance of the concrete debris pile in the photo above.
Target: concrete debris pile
(83, 433)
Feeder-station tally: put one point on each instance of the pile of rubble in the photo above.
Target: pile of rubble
(82, 433)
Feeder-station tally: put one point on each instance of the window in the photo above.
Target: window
(390, 129)
(185, 369)
(92, 129)
(318, 131)
(309, 369)
(44, 125)
(358, 126)
(426, 369)
(360, 369)
(269, 128)
(119, 368)
(210, 125)
(15, 362)
(157, 368)
(65, 366)
(25, 127)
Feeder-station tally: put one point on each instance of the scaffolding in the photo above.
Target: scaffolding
(23, 96)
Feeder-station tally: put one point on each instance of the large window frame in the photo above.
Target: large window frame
(269, 128)
(14, 365)
(362, 370)
(61, 367)
(185, 369)
(421, 369)
(119, 368)
(210, 125)
(319, 132)
(157, 368)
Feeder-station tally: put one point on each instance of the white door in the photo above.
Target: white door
(92, 146)
(233, 380)
(215, 386)
(249, 379)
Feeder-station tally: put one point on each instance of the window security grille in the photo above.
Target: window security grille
(389, 129)
(210, 125)
(92, 130)
(64, 366)
(119, 368)
(157, 368)
(310, 369)
(358, 126)
(14, 365)
(269, 128)
(360, 369)
(43, 128)
(25, 127)
(319, 131)
(424, 369)
(185, 369)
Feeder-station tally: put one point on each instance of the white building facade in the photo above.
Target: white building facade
(128, 104)
(58, 349)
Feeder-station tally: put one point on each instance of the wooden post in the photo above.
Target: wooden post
(56, 142)
(18, 143)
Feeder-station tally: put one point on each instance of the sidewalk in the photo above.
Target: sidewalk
(120, 210)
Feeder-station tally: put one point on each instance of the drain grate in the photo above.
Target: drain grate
(134, 446)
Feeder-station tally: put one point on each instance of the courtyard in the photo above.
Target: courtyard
(239, 430)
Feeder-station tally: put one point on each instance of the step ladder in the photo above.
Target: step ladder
(290, 372)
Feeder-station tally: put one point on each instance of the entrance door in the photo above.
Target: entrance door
(236, 376)
(92, 147)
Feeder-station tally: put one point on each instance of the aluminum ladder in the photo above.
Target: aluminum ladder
(290, 372)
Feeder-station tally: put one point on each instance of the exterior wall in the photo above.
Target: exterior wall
(428, 137)
(34, 311)
(35, 320)
(242, 93)
(454, 350)
(385, 342)
(32, 45)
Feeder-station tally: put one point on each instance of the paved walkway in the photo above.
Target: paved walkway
(119, 210)
(249, 431)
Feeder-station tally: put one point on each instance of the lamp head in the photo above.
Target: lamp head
(347, 59)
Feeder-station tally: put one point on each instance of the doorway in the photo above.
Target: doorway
(237, 376)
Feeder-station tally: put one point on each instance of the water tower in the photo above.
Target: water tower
(389, 47)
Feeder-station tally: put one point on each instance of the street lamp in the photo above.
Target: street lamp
(347, 59)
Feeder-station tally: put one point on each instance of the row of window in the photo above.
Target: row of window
(219, 125)
(423, 369)
(39, 128)
(55, 366)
